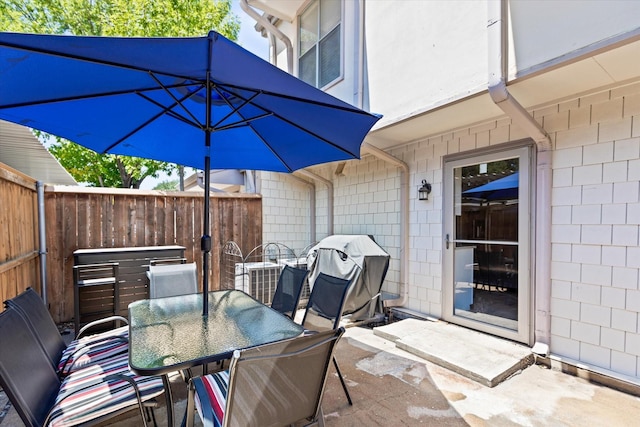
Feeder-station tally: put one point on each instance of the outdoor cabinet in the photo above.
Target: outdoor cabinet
(107, 280)
(96, 294)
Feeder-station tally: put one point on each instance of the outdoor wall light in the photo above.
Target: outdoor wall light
(423, 192)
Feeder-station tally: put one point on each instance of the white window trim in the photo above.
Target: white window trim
(340, 76)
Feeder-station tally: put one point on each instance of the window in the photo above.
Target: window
(320, 41)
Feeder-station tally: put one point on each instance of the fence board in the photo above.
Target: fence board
(78, 217)
(139, 218)
(19, 254)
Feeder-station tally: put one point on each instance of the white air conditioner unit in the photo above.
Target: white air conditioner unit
(258, 279)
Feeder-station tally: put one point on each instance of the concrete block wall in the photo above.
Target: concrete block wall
(367, 201)
(285, 210)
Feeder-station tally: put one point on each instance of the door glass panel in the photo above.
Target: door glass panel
(486, 203)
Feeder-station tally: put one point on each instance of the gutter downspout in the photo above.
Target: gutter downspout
(329, 185)
(273, 51)
(271, 29)
(498, 58)
(274, 31)
(404, 221)
(312, 206)
(386, 157)
(42, 240)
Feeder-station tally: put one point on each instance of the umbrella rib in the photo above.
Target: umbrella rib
(153, 76)
(169, 111)
(153, 118)
(82, 97)
(247, 121)
(234, 109)
(295, 125)
(241, 123)
(296, 98)
(274, 152)
(90, 60)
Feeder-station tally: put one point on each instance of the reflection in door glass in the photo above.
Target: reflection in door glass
(486, 249)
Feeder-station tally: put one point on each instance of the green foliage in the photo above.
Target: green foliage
(97, 170)
(175, 18)
(168, 185)
(130, 18)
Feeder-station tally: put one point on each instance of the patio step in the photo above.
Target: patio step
(483, 358)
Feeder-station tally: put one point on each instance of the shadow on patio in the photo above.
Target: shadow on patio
(392, 387)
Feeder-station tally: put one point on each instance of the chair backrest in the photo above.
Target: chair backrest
(288, 291)
(37, 316)
(26, 374)
(281, 383)
(326, 302)
(169, 280)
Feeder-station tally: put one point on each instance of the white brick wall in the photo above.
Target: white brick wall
(285, 211)
(595, 234)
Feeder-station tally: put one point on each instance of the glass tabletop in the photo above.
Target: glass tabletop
(169, 334)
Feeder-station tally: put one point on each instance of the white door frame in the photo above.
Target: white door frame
(524, 151)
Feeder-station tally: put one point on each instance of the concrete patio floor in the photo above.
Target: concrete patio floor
(392, 387)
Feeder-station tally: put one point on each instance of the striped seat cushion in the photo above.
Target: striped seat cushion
(85, 396)
(211, 397)
(93, 348)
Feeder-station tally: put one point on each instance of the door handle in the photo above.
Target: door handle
(446, 240)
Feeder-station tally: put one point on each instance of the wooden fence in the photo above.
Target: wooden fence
(85, 218)
(19, 254)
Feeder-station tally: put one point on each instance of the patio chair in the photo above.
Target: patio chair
(173, 279)
(271, 385)
(167, 280)
(288, 290)
(324, 310)
(82, 351)
(88, 395)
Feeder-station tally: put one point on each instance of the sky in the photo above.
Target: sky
(249, 39)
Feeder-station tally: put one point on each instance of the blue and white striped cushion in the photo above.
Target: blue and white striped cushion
(84, 396)
(93, 348)
(211, 397)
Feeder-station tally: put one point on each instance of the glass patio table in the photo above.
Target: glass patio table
(171, 334)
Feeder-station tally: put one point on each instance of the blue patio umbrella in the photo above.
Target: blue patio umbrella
(203, 102)
(500, 189)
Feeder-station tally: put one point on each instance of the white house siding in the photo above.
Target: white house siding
(595, 298)
(367, 201)
(285, 210)
(546, 32)
(595, 302)
(436, 55)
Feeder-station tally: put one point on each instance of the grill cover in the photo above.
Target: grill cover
(353, 257)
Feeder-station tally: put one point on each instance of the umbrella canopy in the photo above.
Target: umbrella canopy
(203, 102)
(500, 189)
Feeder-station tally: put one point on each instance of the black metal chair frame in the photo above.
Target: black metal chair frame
(289, 359)
(288, 290)
(327, 299)
(30, 381)
(30, 306)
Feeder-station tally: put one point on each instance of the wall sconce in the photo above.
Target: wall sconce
(423, 192)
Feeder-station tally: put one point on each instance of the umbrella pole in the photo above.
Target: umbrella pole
(205, 243)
